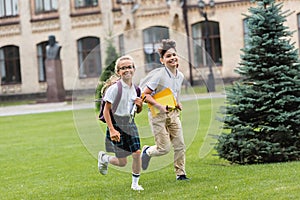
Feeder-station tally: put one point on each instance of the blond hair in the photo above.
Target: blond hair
(126, 57)
(112, 79)
(115, 77)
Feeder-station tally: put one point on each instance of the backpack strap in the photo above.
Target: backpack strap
(118, 97)
(138, 90)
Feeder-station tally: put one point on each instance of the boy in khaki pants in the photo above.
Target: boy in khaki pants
(166, 125)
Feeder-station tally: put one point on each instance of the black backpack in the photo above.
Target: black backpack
(117, 101)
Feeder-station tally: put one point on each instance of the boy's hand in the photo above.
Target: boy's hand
(161, 108)
(179, 106)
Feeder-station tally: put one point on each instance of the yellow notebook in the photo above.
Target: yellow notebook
(164, 97)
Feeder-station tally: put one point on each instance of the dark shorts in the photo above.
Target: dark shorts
(129, 141)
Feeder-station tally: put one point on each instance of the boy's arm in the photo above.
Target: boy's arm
(179, 104)
(178, 98)
(149, 99)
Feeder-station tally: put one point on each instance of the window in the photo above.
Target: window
(124, 1)
(85, 3)
(246, 32)
(8, 8)
(152, 38)
(85, 7)
(116, 5)
(198, 46)
(206, 34)
(42, 6)
(10, 65)
(42, 10)
(89, 57)
(41, 56)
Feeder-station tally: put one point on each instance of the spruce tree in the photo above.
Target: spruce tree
(109, 70)
(262, 113)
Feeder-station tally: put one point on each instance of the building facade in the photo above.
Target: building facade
(83, 28)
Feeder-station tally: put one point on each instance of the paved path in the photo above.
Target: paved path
(64, 106)
(41, 108)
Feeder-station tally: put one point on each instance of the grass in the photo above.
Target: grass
(42, 156)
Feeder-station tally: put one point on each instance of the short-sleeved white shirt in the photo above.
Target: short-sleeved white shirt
(164, 78)
(127, 98)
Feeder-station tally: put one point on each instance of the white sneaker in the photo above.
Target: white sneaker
(137, 187)
(102, 166)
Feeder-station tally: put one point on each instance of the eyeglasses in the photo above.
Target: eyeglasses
(126, 67)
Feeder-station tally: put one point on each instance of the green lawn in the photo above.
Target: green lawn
(50, 156)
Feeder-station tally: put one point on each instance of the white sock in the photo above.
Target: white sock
(135, 179)
(106, 158)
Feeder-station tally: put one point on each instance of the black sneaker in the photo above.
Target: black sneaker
(182, 178)
(145, 158)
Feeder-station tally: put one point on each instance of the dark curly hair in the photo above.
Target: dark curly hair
(166, 44)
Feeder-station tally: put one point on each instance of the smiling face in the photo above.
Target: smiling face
(170, 58)
(126, 69)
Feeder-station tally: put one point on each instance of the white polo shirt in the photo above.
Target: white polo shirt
(127, 98)
(164, 78)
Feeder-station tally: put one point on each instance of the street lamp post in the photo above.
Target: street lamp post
(186, 23)
(210, 80)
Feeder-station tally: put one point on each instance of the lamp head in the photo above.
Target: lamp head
(201, 4)
(212, 3)
(135, 7)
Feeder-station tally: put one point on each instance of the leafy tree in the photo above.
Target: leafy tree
(262, 114)
(111, 57)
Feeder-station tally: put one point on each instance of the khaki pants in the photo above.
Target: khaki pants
(167, 130)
